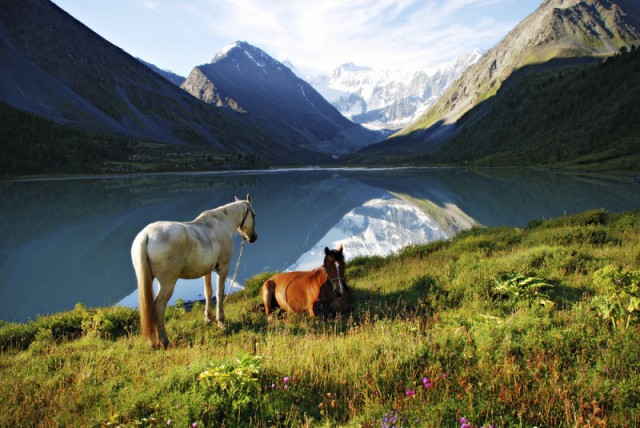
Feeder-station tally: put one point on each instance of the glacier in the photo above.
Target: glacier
(387, 99)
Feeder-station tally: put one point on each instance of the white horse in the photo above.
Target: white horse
(168, 250)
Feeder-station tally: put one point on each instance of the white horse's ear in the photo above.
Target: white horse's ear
(249, 198)
(237, 200)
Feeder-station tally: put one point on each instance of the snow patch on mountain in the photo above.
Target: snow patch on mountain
(385, 99)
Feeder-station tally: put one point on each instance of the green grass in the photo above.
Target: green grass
(501, 326)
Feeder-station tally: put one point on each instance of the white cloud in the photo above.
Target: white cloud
(379, 33)
(314, 35)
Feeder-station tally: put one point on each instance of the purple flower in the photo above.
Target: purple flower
(286, 379)
(410, 393)
(194, 425)
(169, 421)
(426, 382)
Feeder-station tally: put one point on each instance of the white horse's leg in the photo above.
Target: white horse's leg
(208, 293)
(222, 272)
(165, 290)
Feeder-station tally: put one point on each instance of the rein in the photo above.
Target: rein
(233, 280)
(246, 214)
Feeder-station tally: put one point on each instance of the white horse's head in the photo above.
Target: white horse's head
(247, 226)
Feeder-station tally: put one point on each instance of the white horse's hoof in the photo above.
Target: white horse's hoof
(221, 325)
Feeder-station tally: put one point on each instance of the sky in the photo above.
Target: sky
(315, 35)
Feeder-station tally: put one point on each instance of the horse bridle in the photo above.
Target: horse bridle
(246, 214)
(332, 280)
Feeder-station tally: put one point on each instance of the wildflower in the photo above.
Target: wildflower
(286, 379)
(194, 425)
(410, 393)
(464, 423)
(169, 421)
(389, 420)
(273, 386)
(426, 382)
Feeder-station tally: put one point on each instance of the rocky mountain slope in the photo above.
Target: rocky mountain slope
(387, 99)
(568, 31)
(245, 79)
(54, 66)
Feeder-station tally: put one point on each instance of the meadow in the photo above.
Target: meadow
(497, 327)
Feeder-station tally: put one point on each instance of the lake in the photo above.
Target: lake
(64, 241)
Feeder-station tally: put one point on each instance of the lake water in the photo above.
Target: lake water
(68, 240)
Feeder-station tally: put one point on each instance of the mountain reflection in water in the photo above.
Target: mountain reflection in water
(68, 241)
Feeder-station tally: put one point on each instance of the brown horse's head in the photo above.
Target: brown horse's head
(334, 266)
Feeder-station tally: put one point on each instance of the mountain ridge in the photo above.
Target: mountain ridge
(246, 79)
(596, 27)
(564, 40)
(387, 99)
(54, 66)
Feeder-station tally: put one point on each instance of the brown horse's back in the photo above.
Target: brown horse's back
(293, 291)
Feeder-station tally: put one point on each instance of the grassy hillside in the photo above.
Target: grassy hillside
(557, 29)
(502, 327)
(574, 116)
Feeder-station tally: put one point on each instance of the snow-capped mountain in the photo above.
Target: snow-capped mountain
(246, 79)
(386, 99)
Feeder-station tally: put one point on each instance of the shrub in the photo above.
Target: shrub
(621, 301)
(14, 336)
(232, 387)
(520, 288)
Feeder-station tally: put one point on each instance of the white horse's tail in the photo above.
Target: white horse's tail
(145, 288)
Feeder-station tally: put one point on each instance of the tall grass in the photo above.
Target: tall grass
(497, 327)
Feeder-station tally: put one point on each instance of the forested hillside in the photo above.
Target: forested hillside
(571, 116)
(30, 144)
(563, 113)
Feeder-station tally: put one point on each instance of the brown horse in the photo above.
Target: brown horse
(323, 289)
